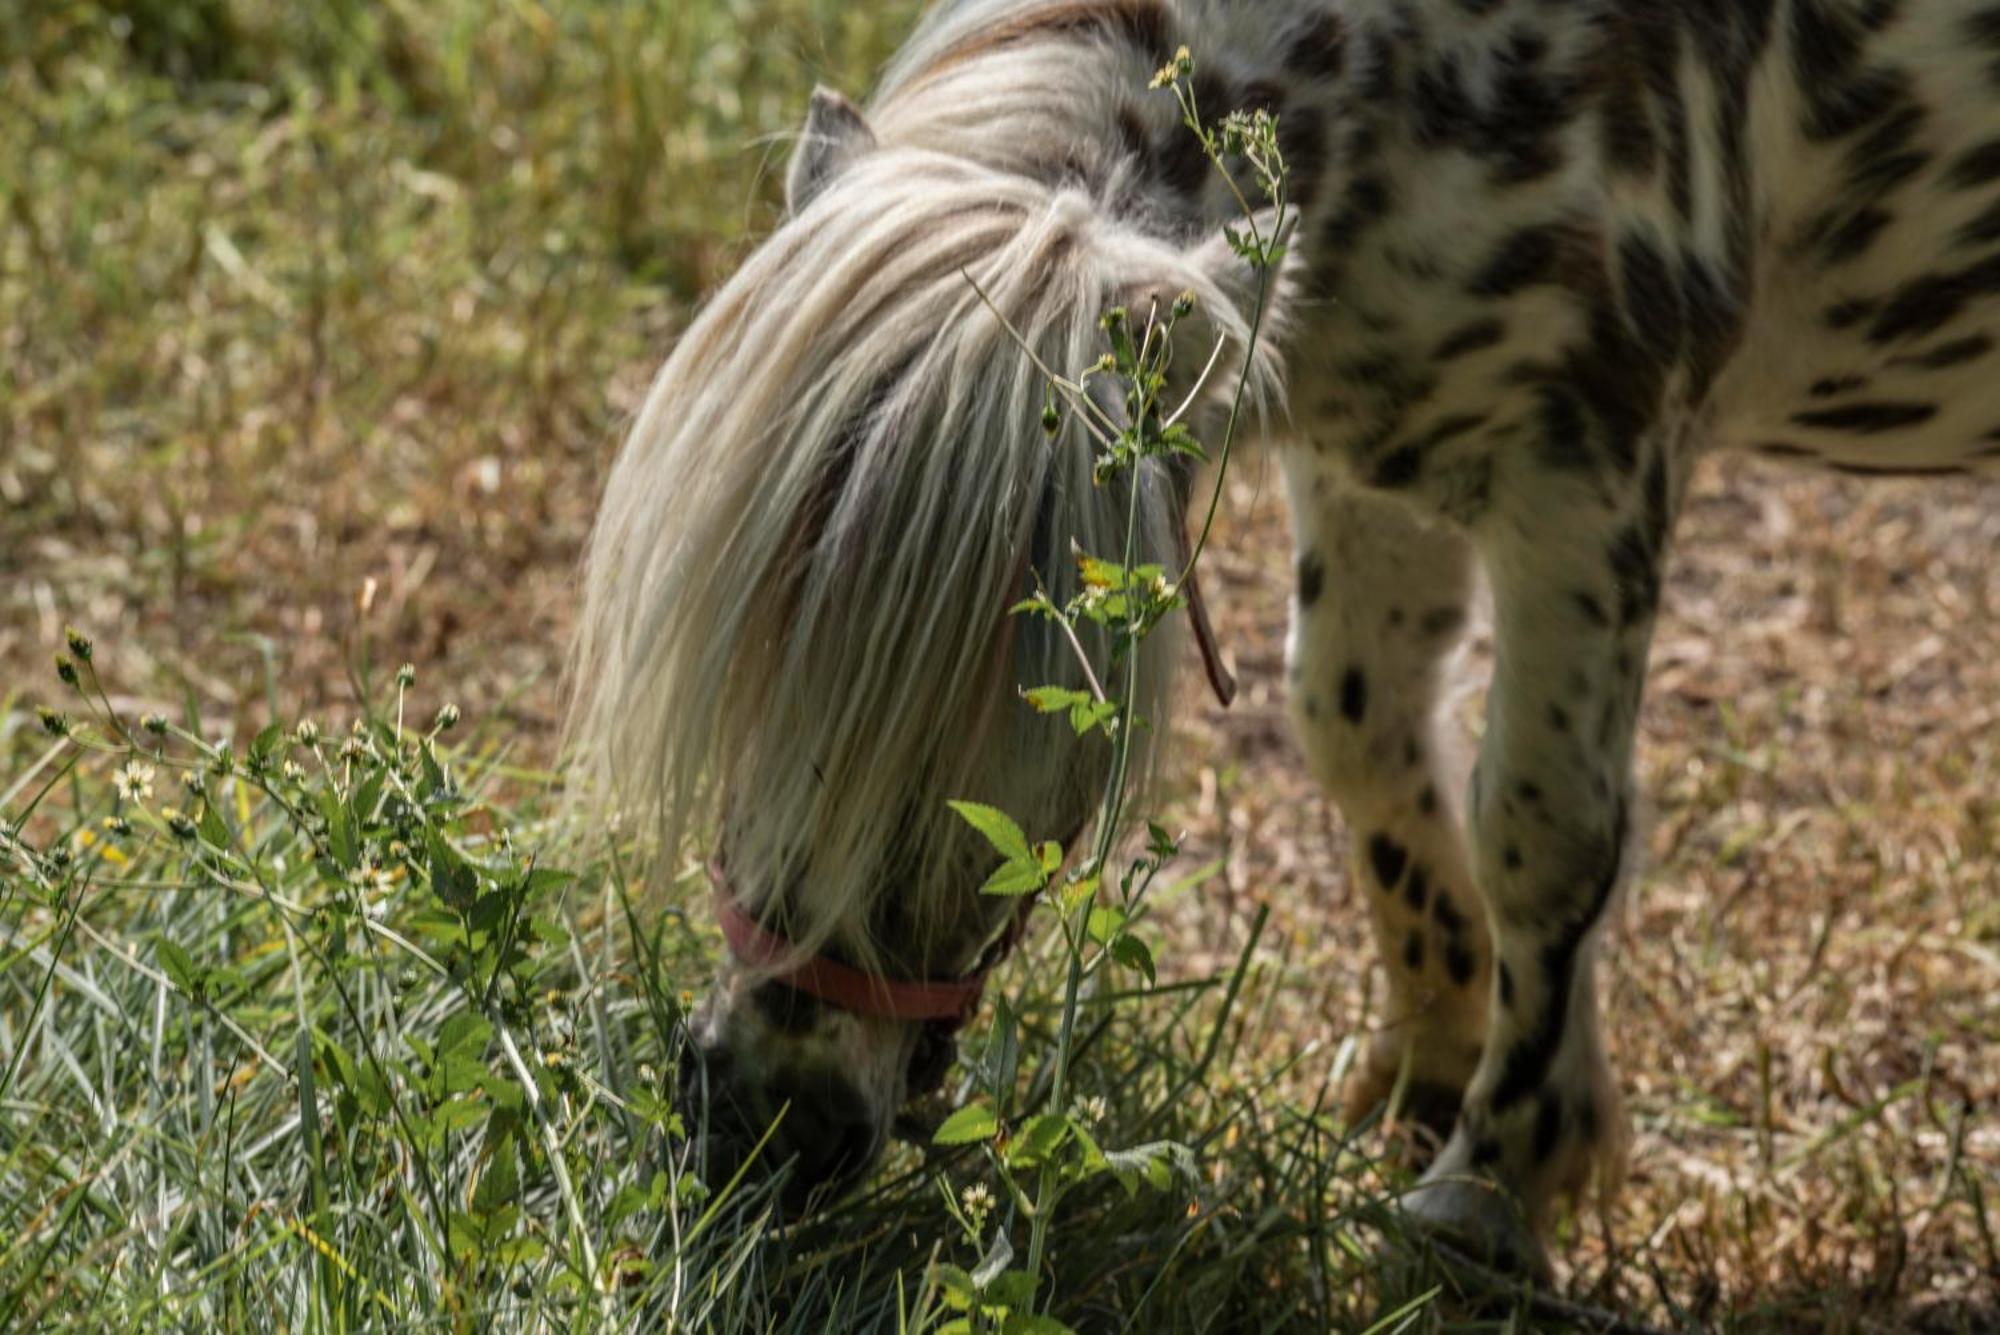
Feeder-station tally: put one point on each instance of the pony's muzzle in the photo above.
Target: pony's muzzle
(812, 1125)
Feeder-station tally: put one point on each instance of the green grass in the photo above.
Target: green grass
(349, 1028)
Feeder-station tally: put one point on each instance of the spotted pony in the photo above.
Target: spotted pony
(1547, 254)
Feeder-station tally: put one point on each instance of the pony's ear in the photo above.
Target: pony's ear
(835, 134)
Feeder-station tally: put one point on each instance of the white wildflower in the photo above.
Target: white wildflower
(134, 782)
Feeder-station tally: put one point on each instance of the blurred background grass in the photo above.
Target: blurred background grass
(296, 298)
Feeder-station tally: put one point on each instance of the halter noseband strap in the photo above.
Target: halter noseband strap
(856, 991)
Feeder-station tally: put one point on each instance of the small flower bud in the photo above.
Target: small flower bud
(65, 670)
(78, 645)
(178, 824)
(306, 734)
(56, 725)
(447, 718)
(155, 724)
(1051, 419)
(406, 675)
(1183, 305)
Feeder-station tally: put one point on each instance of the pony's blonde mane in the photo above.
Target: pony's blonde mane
(794, 638)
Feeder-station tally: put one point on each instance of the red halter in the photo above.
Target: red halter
(853, 990)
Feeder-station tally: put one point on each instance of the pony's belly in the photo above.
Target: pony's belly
(1799, 389)
(1874, 336)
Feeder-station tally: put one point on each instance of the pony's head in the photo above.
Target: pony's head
(795, 641)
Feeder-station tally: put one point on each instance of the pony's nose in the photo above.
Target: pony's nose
(828, 1131)
(825, 1133)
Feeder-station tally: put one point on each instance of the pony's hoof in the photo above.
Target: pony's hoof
(1472, 1218)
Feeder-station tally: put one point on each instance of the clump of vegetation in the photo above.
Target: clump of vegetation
(345, 1026)
(1099, 904)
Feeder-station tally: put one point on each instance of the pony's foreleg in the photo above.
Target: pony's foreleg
(1574, 602)
(1380, 604)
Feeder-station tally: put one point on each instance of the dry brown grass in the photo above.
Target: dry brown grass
(1800, 989)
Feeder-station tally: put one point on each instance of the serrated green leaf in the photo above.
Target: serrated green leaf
(459, 1113)
(500, 1184)
(369, 796)
(212, 829)
(1089, 1152)
(489, 910)
(548, 931)
(338, 1062)
(371, 1090)
(463, 1235)
(1133, 953)
(970, 1125)
(460, 1073)
(452, 878)
(542, 880)
(433, 771)
(339, 828)
(955, 1281)
(1177, 439)
(266, 744)
(1092, 714)
(998, 828)
(1012, 1288)
(1055, 699)
(435, 926)
(1040, 1136)
(1011, 880)
(464, 1032)
(178, 965)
